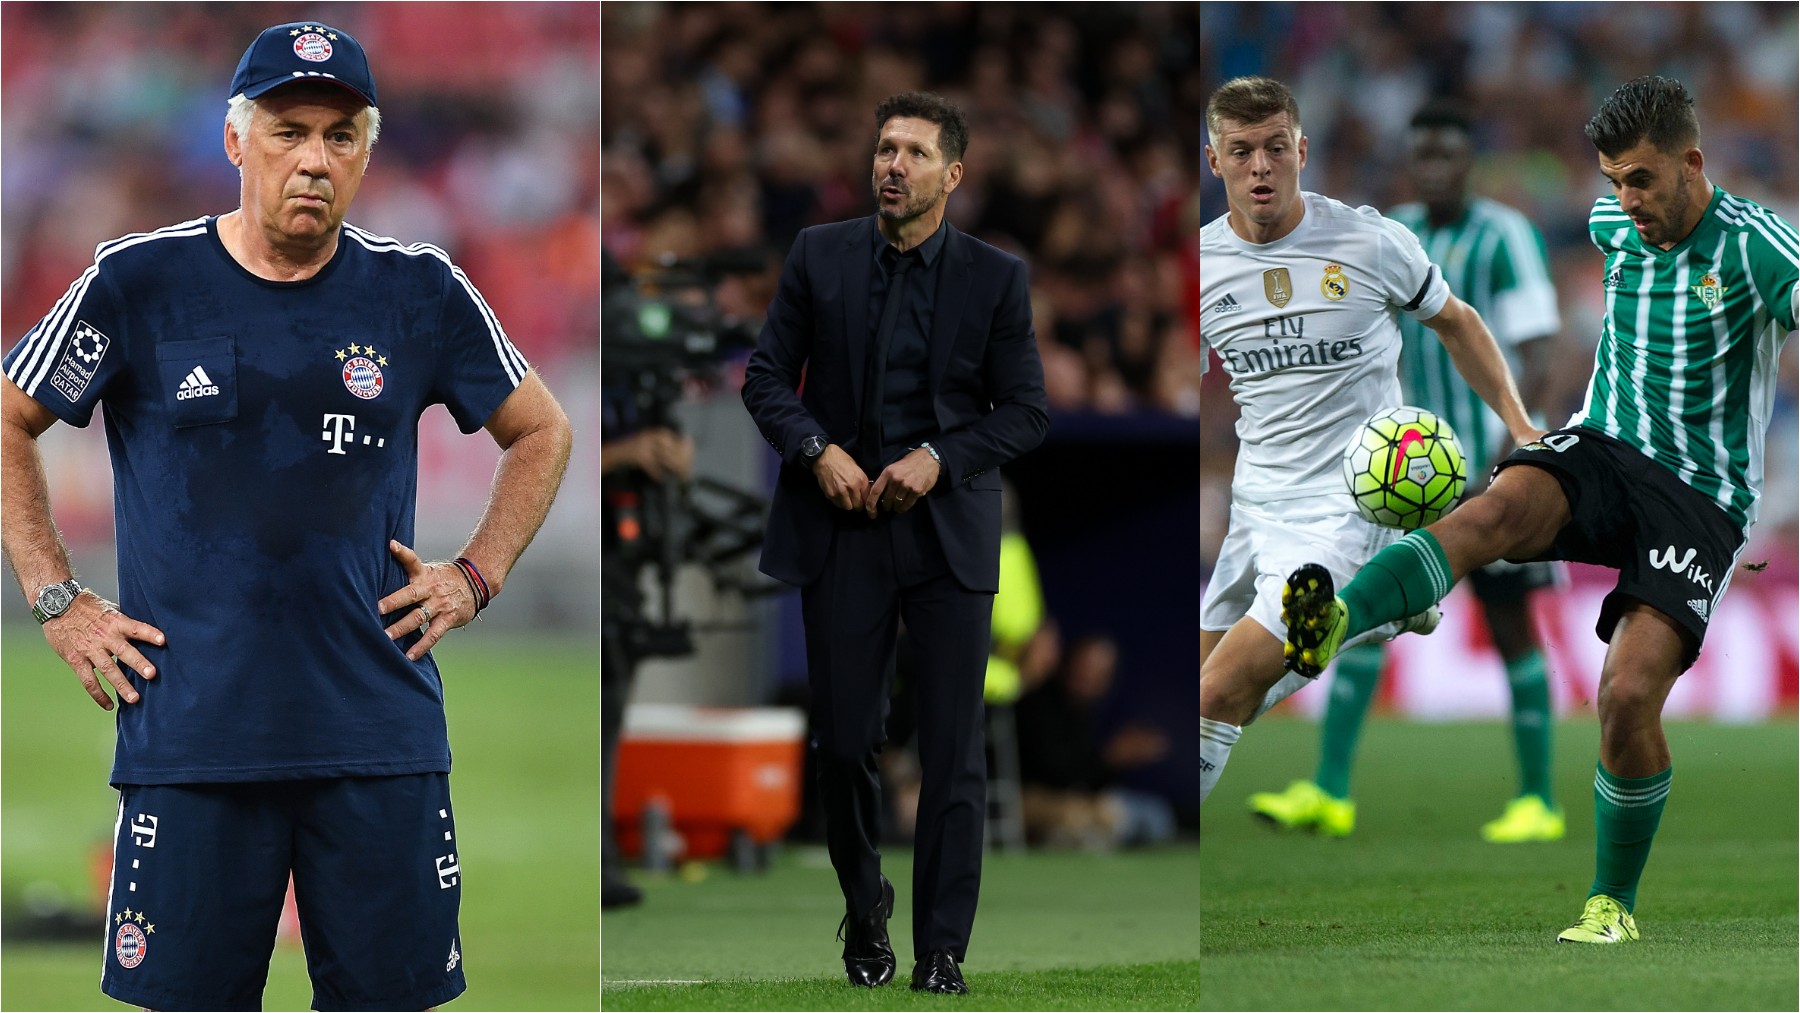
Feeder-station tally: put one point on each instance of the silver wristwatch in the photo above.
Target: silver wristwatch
(54, 599)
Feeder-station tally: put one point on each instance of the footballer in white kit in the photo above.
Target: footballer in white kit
(1300, 298)
(1307, 327)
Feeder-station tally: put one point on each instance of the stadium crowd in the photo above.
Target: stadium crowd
(113, 118)
(732, 127)
(1532, 75)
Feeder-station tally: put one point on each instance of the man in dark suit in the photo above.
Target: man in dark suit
(921, 377)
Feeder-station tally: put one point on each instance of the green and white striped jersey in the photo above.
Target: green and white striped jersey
(1685, 370)
(1494, 260)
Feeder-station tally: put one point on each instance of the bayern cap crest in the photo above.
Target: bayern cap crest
(313, 47)
(301, 51)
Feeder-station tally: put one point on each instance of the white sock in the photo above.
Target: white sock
(1216, 740)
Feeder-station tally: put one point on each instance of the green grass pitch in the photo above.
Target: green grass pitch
(524, 715)
(1415, 912)
(1053, 932)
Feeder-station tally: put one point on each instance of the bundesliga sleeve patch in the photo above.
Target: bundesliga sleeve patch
(80, 361)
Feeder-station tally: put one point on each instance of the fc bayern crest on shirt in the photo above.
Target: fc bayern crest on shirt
(131, 940)
(361, 369)
(310, 45)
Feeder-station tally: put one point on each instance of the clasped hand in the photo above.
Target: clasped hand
(899, 486)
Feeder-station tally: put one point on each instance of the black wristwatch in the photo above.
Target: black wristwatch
(812, 447)
(54, 599)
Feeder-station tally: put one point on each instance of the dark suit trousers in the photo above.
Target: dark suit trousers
(880, 573)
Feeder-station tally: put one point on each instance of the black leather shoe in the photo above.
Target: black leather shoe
(868, 958)
(938, 972)
(617, 893)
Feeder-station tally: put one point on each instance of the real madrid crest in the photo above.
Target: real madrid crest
(1277, 286)
(361, 369)
(1334, 285)
(1710, 290)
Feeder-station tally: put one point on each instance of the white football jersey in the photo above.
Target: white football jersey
(1308, 327)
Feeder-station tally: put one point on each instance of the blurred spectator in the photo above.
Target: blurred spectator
(114, 117)
(733, 125)
(1070, 769)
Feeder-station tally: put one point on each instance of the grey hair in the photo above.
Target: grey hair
(239, 110)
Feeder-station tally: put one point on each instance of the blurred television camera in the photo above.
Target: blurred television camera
(663, 337)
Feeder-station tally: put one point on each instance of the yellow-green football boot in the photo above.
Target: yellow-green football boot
(1306, 806)
(1526, 819)
(1316, 619)
(1604, 920)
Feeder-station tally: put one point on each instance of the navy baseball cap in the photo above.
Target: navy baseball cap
(303, 51)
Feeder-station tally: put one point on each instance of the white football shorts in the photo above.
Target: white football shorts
(1267, 541)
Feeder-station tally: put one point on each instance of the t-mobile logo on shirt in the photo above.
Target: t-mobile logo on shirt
(340, 431)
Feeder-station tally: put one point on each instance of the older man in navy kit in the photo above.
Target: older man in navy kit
(921, 377)
(261, 375)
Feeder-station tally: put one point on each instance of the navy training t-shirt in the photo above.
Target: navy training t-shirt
(264, 440)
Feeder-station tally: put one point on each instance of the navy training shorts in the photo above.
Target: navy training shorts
(200, 872)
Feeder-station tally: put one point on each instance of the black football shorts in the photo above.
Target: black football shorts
(1673, 547)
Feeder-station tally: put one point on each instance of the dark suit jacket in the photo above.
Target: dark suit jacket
(986, 384)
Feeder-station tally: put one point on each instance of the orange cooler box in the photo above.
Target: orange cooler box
(722, 772)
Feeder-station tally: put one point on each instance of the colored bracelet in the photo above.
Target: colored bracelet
(476, 584)
(483, 595)
(474, 594)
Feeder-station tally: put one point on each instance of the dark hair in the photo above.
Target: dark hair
(1654, 109)
(1443, 114)
(953, 126)
(1249, 100)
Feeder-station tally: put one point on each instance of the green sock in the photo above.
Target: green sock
(1531, 723)
(1626, 812)
(1404, 579)
(1358, 672)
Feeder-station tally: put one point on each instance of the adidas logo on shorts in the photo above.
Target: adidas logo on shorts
(1700, 606)
(196, 384)
(1227, 305)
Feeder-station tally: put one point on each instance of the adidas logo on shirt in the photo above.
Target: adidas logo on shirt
(1227, 305)
(196, 384)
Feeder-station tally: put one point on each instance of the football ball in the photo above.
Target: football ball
(1405, 468)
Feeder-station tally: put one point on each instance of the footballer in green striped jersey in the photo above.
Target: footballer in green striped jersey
(1657, 476)
(1493, 258)
(1685, 371)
